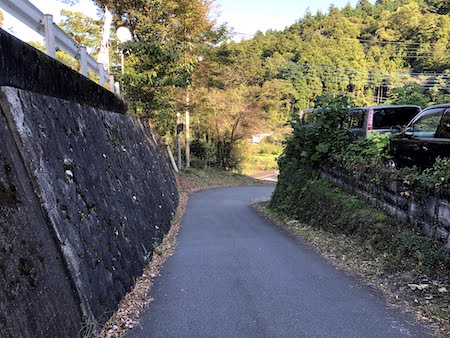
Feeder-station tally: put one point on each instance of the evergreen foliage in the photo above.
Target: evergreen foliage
(321, 145)
(254, 85)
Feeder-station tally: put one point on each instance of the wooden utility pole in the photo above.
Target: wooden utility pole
(178, 141)
(188, 141)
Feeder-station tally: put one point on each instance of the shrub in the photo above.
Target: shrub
(205, 151)
(438, 177)
(320, 204)
(410, 247)
(372, 150)
(301, 194)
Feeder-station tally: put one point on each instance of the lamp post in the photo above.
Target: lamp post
(188, 138)
(124, 35)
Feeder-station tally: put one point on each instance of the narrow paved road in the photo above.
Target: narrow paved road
(236, 274)
(268, 175)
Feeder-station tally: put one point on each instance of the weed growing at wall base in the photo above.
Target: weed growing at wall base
(323, 206)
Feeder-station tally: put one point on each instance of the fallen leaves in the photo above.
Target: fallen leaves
(419, 287)
(425, 297)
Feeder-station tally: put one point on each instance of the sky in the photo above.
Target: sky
(245, 17)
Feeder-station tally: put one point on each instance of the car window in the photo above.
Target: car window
(443, 130)
(385, 118)
(356, 119)
(427, 125)
(308, 116)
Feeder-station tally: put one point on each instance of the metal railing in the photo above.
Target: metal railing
(55, 37)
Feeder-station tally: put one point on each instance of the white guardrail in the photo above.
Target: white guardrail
(55, 37)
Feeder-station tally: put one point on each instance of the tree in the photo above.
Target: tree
(83, 29)
(227, 102)
(278, 98)
(388, 5)
(234, 114)
(408, 94)
(433, 35)
(438, 6)
(364, 8)
(168, 37)
(360, 52)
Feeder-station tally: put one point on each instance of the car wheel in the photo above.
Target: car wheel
(391, 164)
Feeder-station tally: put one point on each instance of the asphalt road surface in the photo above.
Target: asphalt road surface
(268, 175)
(236, 274)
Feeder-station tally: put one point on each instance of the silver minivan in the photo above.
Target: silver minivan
(383, 119)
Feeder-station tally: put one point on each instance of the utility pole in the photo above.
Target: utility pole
(178, 141)
(188, 141)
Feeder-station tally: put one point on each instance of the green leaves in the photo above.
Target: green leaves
(321, 140)
(364, 152)
(438, 177)
(83, 29)
(408, 94)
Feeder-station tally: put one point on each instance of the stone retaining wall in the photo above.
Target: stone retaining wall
(25, 67)
(85, 195)
(421, 208)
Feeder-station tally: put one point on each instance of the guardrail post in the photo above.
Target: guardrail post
(117, 88)
(49, 36)
(101, 74)
(83, 60)
(111, 83)
(55, 37)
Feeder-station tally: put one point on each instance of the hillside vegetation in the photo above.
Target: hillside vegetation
(180, 60)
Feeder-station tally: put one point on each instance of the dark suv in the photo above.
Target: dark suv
(425, 138)
(383, 119)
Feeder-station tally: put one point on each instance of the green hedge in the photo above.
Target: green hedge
(301, 195)
(318, 203)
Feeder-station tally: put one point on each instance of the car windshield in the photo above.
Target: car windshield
(427, 125)
(356, 118)
(385, 118)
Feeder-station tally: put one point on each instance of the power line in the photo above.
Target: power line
(405, 43)
(242, 34)
(361, 71)
(365, 78)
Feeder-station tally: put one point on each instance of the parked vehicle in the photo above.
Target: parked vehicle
(425, 138)
(307, 116)
(383, 119)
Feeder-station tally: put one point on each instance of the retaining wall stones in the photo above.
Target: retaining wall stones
(429, 212)
(85, 195)
(25, 67)
(37, 297)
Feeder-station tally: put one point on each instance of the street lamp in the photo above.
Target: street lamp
(124, 35)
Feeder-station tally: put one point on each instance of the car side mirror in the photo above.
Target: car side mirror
(409, 132)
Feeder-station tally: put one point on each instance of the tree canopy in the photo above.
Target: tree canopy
(363, 52)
